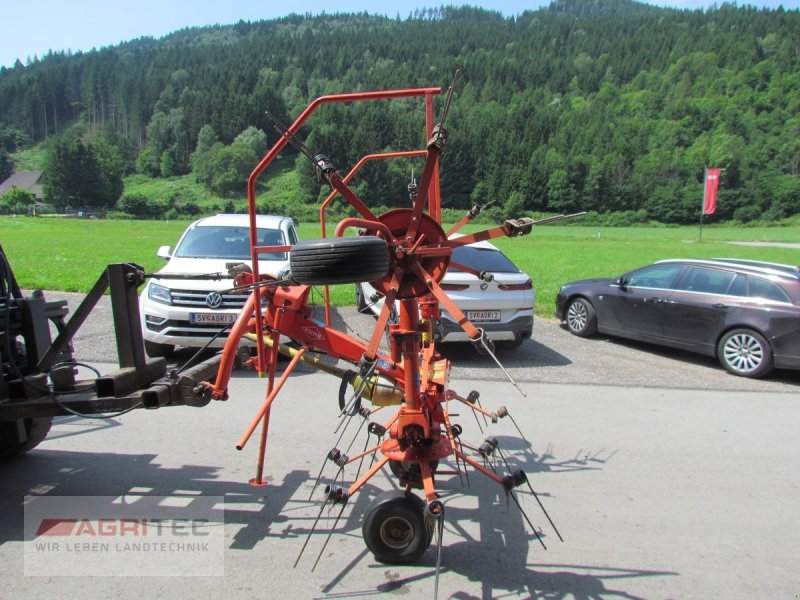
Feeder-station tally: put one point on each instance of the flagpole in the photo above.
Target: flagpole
(703, 205)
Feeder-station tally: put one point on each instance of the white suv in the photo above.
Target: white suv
(190, 312)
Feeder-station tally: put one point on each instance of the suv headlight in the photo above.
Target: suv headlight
(159, 293)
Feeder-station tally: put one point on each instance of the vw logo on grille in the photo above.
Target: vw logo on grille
(484, 286)
(214, 300)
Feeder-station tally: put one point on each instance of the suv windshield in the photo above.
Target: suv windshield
(218, 241)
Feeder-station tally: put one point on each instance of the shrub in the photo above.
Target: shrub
(141, 206)
(745, 214)
(17, 200)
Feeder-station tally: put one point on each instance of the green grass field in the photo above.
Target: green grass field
(69, 254)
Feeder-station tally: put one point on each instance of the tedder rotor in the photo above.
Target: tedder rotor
(404, 253)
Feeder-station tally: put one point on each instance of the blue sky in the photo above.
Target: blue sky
(32, 28)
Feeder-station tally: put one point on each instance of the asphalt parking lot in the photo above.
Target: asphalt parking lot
(667, 477)
(552, 356)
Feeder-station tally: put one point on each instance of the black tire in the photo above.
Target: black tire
(581, 318)
(339, 260)
(155, 350)
(35, 432)
(361, 302)
(394, 528)
(745, 352)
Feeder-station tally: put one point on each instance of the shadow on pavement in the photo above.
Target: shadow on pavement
(496, 558)
(258, 511)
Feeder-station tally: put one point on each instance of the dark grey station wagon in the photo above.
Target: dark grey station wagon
(745, 313)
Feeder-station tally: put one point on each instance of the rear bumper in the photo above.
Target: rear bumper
(520, 327)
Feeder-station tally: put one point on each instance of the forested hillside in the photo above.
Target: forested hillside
(604, 105)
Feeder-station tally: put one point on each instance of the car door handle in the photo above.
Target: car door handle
(654, 300)
(720, 306)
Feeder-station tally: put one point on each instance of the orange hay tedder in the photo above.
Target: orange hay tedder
(403, 253)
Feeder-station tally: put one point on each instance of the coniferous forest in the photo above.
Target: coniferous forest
(597, 105)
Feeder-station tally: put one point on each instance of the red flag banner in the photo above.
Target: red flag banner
(710, 191)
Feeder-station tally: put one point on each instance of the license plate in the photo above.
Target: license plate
(212, 318)
(483, 315)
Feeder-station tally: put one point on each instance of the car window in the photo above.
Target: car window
(656, 276)
(483, 259)
(739, 286)
(707, 281)
(227, 242)
(761, 288)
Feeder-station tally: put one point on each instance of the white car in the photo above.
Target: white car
(503, 307)
(190, 312)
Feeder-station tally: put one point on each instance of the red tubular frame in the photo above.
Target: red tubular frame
(273, 153)
(420, 431)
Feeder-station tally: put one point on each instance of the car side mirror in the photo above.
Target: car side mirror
(621, 282)
(164, 252)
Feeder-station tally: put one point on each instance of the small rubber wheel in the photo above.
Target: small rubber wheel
(156, 350)
(745, 352)
(332, 261)
(35, 430)
(581, 318)
(394, 528)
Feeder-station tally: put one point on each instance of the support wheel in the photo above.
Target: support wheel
(394, 528)
(581, 318)
(331, 261)
(32, 432)
(155, 350)
(745, 352)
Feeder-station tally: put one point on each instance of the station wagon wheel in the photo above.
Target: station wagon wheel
(581, 318)
(745, 352)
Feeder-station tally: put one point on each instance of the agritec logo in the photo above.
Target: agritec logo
(124, 536)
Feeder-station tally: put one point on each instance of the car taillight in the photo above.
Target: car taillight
(528, 285)
(453, 287)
